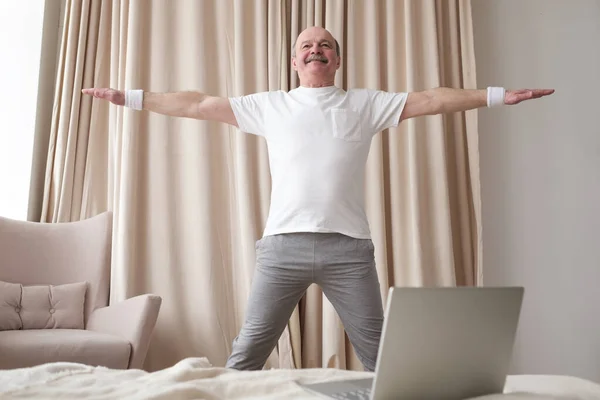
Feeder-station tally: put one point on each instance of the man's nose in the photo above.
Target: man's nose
(315, 49)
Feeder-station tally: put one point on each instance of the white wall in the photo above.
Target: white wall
(540, 172)
(21, 24)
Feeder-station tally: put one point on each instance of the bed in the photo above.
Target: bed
(196, 378)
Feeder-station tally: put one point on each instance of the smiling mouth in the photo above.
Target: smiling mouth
(317, 58)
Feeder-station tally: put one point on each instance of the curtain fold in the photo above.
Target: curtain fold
(75, 180)
(190, 198)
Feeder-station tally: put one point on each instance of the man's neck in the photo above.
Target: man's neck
(316, 84)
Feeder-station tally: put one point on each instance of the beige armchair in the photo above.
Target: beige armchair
(54, 298)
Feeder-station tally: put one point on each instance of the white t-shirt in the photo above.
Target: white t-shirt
(318, 140)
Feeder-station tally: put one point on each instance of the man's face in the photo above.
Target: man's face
(316, 54)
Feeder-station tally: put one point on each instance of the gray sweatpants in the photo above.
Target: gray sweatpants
(286, 265)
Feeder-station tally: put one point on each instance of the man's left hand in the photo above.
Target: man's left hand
(513, 97)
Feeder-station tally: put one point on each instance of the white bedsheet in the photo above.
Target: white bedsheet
(195, 378)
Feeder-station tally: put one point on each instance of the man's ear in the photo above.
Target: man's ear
(294, 64)
(338, 62)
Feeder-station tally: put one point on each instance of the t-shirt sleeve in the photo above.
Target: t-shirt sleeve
(385, 109)
(249, 111)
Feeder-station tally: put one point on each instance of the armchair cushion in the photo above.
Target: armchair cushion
(42, 306)
(21, 349)
(10, 303)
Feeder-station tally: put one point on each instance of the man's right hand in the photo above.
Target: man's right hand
(114, 96)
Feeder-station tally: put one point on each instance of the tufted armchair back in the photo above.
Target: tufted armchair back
(59, 253)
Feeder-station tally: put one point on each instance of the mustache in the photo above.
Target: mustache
(317, 57)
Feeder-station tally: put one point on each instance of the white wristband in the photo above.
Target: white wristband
(495, 96)
(134, 99)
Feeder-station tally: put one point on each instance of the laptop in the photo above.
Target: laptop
(448, 343)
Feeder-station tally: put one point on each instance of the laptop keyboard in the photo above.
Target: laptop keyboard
(361, 394)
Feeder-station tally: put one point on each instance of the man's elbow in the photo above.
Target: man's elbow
(418, 104)
(436, 105)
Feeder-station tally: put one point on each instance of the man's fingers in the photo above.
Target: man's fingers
(114, 96)
(96, 92)
(537, 93)
(92, 92)
(543, 92)
(517, 96)
(103, 93)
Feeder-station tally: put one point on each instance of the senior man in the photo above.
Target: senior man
(318, 138)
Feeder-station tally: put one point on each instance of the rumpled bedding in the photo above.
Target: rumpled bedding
(196, 378)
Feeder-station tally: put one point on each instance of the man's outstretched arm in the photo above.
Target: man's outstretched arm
(448, 100)
(194, 105)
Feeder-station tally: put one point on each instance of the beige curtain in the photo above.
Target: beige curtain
(75, 184)
(190, 198)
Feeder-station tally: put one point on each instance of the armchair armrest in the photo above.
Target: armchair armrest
(132, 319)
